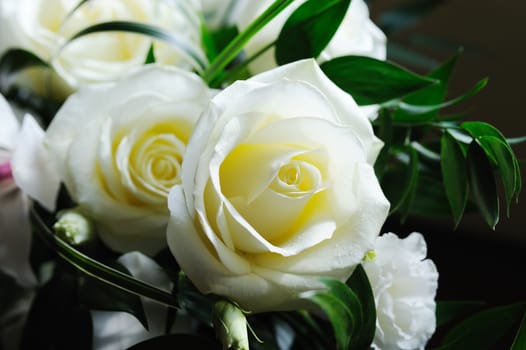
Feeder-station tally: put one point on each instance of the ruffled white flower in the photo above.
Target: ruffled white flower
(118, 147)
(22, 166)
(404, 283)
(357, 34)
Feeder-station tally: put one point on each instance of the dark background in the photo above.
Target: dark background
(474, 262)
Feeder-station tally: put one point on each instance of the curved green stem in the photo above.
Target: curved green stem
(100, 271)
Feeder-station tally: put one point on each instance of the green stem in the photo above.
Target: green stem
(230, 52)
(100, 271)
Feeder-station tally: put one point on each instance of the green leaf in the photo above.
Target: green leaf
(189, 51)
(176, 341)
(455, 175)
(405, 202)
(423, 109)
(448, 311)
(430, 199)
(385, 133)
(222, 37)
(359, 283)
(309, 29)
(478, 129)
(101, 296)
(499, 156)
(484, 329)
(482, 184)
(341, 319)
(14, 61)
(371, 81)
(347, 296)
(150, 56)
(430, 95)
(350, 308)
(95, 269)
(507, 164)
(519, 343)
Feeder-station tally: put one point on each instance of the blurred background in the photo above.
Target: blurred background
(475, 262)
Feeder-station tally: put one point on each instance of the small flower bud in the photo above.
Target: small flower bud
(230, 325)
(74, 227)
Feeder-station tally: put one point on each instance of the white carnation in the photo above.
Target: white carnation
(404, 285)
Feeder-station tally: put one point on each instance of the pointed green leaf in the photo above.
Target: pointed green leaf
(519, 343)
(359, 283)
(385, 133)
(506, 162)
(430, 95)
(484, 329)
(347, 296)
(455, 175)
(371, 81)
(482, 184)
(423, 109)
(150, 56)
(411, 185)
(339, 315)
(309, 29)
(479, 130)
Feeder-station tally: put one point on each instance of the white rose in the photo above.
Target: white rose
(118, 148)
(278, 189)
(43, 26)
(357, 34)
(404, 286)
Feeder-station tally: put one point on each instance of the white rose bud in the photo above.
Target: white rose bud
(404, 285)
(230, 325)
(74, 226)
(277, 189)
(118, 148)
(357, 34)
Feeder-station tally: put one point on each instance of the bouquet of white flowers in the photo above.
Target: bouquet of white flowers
(218, 174)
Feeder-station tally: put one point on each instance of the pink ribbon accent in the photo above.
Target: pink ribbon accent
(5, 171)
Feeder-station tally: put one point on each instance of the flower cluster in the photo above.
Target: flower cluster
(193, 162)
